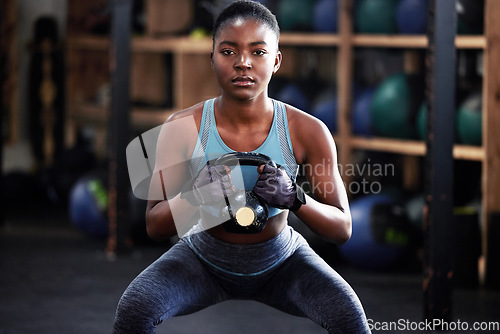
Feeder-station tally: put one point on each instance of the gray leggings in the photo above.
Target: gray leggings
(200, 271)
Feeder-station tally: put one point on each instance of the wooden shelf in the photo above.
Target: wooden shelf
(390, 41)
(309, 39)
(414, 41)
(173, 44)
(471, 42)
(414, 147)
(400, 146)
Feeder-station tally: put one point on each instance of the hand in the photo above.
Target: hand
(277, 189)
(210, 186)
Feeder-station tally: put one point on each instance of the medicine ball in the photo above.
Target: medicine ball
(293, 95)
(88, 205)
(326, 16)
(379, 235)
(421, 121)
(470, 120)
(361, 113)
(295, 15)
(411, 16)
(395, 105)
(376, 16)
(325, 108)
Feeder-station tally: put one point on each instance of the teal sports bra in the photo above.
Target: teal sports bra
(277, 146)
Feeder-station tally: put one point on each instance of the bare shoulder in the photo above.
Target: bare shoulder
(194, 111)
(179, 133)
(307, 133)
(300, 121)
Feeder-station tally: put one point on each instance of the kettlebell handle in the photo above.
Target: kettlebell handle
(233, 159)
(244, 159)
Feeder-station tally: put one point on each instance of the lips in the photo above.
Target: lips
(243, 81)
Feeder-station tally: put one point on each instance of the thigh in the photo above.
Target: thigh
(305, 285)
(175, 284)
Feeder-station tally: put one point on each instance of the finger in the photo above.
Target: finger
(268, 169)
(264, 176)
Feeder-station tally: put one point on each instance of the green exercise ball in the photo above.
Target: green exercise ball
(470, 120)
(422, 121)
(376, 16)
(296, 15)
(395, 105)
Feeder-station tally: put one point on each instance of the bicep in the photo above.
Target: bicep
(322, 171)
(175, 144)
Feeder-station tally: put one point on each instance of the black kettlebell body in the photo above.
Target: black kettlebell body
(243, 212)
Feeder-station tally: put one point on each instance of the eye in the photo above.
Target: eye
(227, 52)
(260, 52)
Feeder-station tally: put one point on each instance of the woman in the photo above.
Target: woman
(275, 266)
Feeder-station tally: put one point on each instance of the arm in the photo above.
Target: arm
(327, 211)
(174, 148)
(160, 223)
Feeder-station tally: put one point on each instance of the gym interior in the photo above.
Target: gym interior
(408, 88)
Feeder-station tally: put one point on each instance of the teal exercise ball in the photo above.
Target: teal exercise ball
(421, 121)
(376, 16)
(395, 104)
(296, 15)
(470, 120)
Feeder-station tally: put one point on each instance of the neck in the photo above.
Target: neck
(245, 112)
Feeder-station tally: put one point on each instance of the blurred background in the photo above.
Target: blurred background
(358, 65)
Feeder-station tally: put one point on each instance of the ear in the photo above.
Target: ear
(212, 60)
(277, 61)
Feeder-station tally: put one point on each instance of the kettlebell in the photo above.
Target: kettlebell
(243, 212)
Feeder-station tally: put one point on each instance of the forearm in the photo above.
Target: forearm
(164, 218)
(327, 221)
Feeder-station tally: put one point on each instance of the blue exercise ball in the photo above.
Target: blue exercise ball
(326, 16)
(293, 95)
(411, 16)
(325, 109)
(377, 241)
(361, 113)
(88, 206)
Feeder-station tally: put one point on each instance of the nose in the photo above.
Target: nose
(243, 62)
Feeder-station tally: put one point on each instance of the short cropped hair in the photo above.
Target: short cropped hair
(244, 9)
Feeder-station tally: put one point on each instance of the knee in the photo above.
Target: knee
(134, 314)
(345, 312)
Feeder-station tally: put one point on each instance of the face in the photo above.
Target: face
(244, 58)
